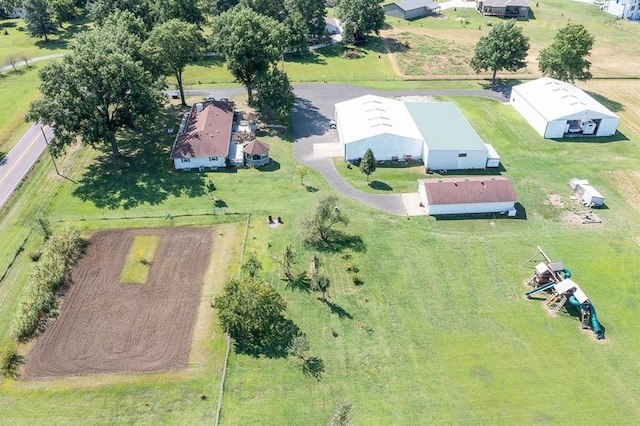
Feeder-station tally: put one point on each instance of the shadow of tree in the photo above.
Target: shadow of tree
(309, 121)
(143, 174)
(313, 367)
(299, 283)
(338, 241)
(380, 186)
(274, 345)
(337, 310)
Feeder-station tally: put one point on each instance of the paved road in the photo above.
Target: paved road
(38, 59)
(17, 163)
(312, 112)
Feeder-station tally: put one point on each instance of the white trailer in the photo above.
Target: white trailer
(589, 196)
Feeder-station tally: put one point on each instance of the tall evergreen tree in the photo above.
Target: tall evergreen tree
(368, 163)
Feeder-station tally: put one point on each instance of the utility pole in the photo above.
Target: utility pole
(52, 157)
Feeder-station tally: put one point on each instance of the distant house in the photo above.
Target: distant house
(204, 137)
(18, 12)
(512, 9)
(411, 9)
(625, 9)
(467, 195)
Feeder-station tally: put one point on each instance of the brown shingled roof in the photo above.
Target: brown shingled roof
(255, 147)
(468, 190)
(207, 133)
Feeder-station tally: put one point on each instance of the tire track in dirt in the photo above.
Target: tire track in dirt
(108, 327)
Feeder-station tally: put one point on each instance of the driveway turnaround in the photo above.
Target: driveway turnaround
(17, 163)
(315, 142)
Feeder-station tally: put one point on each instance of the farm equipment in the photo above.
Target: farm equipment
(555, 280)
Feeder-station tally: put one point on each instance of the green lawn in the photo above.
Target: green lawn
(438, 333)
(17, 91)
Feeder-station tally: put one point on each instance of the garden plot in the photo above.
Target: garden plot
(108, 327)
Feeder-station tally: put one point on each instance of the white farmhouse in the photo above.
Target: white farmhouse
(204, 137)
(556, 109)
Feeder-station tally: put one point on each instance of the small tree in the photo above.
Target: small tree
(342, 415)
(302, 172)
(368, 163)
(299, 346)
(321, 283)
(359, 18)
(286, 262)
(251, 311)
(252, 266)
(318, 224)
(504, 48)
(565, 59)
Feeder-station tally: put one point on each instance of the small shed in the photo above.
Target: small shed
(556, 109)
(256, 153)
(411, 9)
(467, 195)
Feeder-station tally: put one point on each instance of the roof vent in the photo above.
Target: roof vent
(455, 183)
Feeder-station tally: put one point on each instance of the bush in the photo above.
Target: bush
(58, 255)
(9, 360)
(357, 280)
(35, 256)
(351, 268)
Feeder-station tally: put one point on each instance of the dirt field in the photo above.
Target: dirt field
(107, 327)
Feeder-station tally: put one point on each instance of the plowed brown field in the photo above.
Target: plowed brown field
(108, 327)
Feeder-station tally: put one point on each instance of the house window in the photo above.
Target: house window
(213, 158)
(462, 155)
(185, 160)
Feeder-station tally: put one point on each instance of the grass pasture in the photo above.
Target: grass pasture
(434, 47)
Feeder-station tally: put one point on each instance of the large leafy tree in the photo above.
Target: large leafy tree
(39, 18)
(217, 7)
(172, 45)
(251, 311)
(249, 42)
(318, 225)
(95, 91)
(185, 10)
(64, 10)
(565, 58)
(99, 10)
(304, 20)
(359, 18)
(6, 8)
(504, 48)
(274, 97)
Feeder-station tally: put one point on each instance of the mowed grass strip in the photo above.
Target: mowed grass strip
(139, 260)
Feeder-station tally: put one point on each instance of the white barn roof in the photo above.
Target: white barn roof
(371, 115)
(555, 100)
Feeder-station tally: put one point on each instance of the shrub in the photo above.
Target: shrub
(351, 268)
(58, 255)
(9, 359)
(357, 280)
(35, 256)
